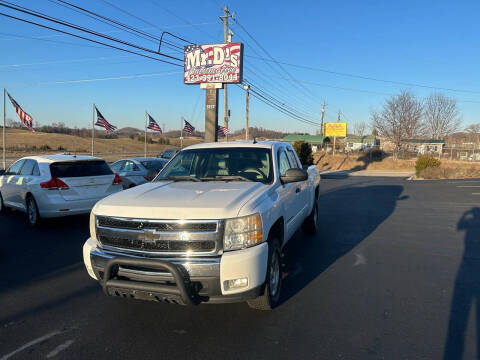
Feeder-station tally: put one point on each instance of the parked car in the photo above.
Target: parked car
(211, 227)
(56, 185)
(169, 153)
(137, 171)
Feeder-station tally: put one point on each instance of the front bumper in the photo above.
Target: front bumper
(204, 278)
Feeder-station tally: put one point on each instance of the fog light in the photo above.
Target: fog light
(236, 283)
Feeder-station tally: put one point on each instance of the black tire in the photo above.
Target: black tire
(33, 216)
(310, 225)
(273, 285)
(131, 186)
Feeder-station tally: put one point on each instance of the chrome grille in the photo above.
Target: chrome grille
(160, 237)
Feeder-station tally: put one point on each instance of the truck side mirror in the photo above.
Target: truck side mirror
(294, 175)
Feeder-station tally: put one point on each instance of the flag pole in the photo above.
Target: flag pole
(181, 133)
(4, 136)
(93, 127)
(145, 145)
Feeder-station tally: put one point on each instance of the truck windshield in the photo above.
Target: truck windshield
(220, 164)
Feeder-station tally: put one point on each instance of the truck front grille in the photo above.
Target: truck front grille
(160, 237)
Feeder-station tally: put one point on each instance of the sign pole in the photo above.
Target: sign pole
(145, 145)
(211, 114)
(93, 129)
(4, 135)
(334, 141)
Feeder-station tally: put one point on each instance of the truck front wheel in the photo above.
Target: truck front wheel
(273, 284)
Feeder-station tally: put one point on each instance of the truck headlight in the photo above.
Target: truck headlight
(93, 234)
(242, 232)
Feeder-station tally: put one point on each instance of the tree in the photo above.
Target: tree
(400, 118)
(441, 116)
(474, 133)
(360, 128)
(304, 152)
(374, 132)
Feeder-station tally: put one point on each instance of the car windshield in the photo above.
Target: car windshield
(220, 164)
(153, 164)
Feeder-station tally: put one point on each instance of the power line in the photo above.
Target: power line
(365, 77)
(91, 40)
(80, 28)
(307, 91)
(76, 81)
(70, 61)
(117, 24)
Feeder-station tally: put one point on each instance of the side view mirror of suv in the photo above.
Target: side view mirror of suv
(294, 175)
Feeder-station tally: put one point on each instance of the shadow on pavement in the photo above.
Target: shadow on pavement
(28, 254)
(467, 287)
(347, 216)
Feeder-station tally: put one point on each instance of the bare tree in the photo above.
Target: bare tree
(400, 118)
(442, 116)
(474, 133)
(360, 128)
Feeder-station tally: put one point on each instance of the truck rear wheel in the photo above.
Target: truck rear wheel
(273, 284)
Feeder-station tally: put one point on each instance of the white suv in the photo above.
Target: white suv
(56, 185)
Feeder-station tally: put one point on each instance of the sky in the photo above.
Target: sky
(351, 54)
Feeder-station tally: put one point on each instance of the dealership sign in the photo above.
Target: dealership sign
(336, 129)
(215, 63)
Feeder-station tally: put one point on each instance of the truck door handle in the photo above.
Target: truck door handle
(297, 190)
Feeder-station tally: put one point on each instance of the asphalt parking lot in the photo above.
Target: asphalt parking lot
(394, 273)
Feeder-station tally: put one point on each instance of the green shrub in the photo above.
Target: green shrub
(424, 162)
(304, 152)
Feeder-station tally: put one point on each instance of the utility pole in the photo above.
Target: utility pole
(338, 117)
(247, 88)
(323, 115)
(226, 39)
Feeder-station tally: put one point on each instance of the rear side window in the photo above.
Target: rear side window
(15, 168)
(293, 159)
(80, 169)
(27, 168)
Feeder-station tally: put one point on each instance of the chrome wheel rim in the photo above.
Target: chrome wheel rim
(274, 274)
(32, 212)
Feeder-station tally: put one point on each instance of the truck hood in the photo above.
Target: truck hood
(180, 200)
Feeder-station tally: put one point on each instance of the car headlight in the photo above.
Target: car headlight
(242, 232)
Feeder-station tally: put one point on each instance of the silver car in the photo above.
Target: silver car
(137, 171)
(56, 185)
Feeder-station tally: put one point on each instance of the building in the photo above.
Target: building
(315, 141)
(359, 143)
(424, 146)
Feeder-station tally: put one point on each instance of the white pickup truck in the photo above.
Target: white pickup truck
(209, 228)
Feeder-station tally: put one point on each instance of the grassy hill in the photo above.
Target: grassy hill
(24, 142)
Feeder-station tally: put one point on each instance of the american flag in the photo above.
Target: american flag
(188, 128)
(152, 124)
(24, 117)
(222, 131)
(101, 121)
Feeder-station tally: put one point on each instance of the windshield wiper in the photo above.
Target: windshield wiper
(181, 178)
(230, 178)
